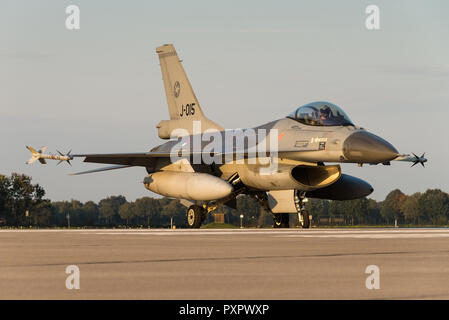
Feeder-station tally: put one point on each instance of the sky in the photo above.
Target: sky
(99, 89)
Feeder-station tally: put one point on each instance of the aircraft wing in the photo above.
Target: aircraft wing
(119, 160)
(144, 159)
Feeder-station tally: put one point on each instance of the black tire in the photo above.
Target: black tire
(305, 223)
(281, 220)
(195, 216)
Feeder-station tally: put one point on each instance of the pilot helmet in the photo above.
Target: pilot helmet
(325, 111)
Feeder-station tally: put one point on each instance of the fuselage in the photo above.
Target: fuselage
(280, 155)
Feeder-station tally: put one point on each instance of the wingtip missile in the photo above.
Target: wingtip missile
(41, 156)
(420, 160)
(412, 158)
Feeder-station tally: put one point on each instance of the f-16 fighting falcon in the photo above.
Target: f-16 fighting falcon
(279, 164)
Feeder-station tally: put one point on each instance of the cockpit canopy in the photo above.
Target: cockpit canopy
(321, 113)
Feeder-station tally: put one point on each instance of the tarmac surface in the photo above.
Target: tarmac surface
(225, 264)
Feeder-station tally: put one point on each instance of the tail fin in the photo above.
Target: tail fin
(182, 102)
(36, 155)
(183, 106)
(32, 150)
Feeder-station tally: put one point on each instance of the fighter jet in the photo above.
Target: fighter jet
(280, 164)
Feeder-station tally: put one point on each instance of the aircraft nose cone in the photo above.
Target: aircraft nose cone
(365, 147)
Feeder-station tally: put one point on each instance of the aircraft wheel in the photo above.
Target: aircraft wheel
(281, 220)
(305, 221)
(195, 216)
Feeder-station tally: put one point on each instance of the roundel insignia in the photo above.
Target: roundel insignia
(176, 89)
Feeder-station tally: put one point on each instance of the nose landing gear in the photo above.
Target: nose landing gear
(303, 216)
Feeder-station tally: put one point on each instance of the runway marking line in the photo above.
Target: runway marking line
(289, 233)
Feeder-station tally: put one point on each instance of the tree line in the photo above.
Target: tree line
(22, 204)
(428, 208)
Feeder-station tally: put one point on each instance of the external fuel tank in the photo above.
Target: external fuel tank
(187, 185)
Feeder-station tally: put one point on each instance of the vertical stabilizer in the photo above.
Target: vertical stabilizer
(183, 106)
(182, 102)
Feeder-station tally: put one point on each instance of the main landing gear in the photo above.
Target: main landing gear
(196, 215)
(281, 220)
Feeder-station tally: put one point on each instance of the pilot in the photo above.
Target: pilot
(325, 115)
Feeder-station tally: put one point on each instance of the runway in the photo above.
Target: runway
(225, 264)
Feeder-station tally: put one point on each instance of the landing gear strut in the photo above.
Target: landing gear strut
(303, 216)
